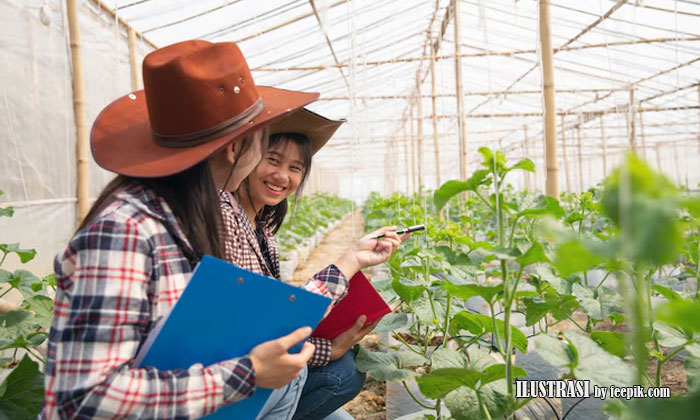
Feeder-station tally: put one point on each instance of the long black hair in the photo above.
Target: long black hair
(193, 199)
(273, 216)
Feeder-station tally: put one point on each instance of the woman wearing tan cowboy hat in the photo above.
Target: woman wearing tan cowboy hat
(254, 213)
(198, 126)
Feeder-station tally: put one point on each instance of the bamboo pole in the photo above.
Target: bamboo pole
(642, 136)
(630, 121)
(419, 127)
(459, 88)
(405, 155)
(563, 153)
(580, 159)
(133, 62)
(550, 123)
(526, 149)
(676, 164)
(81, 143)
(605, 147)
(101, 4)
(433, 86)
(413, 151)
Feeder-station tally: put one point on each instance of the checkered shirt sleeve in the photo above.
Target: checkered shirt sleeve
(114, 279)
(322, 354)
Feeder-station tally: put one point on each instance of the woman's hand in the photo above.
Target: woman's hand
(274, 367)
(348, 338)
(368, 251)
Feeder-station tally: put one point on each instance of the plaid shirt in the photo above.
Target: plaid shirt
(242, 248)
(115, 280)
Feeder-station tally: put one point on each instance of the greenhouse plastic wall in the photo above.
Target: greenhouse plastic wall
(38, 142)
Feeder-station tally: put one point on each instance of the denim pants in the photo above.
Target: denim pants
(283, 401)
(328, 388)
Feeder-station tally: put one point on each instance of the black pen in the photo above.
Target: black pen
(402, 231)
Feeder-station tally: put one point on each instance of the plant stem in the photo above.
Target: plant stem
(41, 359)
(663, 360)
(482, 405)
(495, 331)
(6, 292)
(601, 282)
(447, 320)
(639, 349)
(512, 231)
(575, 323)
(3, 257)
(417, 401)
(398, 337)
(478, 194)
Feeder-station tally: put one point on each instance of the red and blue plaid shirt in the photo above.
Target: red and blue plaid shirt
(242, 249)
(115, 279)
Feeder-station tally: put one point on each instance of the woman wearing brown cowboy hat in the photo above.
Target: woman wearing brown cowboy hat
(198, 126)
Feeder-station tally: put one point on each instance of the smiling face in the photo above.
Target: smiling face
(278, 175)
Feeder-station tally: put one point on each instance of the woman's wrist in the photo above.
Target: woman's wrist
(348, 264)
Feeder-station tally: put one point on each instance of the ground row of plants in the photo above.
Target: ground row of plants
(307, 215)
(618, 264)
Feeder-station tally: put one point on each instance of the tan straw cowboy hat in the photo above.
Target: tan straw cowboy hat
(317, 128)
(198, 96)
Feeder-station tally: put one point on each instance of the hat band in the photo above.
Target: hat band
(211, 133)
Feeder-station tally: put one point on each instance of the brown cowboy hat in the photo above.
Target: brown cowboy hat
(198, 96)
(317, 128)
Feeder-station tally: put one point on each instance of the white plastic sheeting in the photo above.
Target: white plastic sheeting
(37, 172)
(364, 57)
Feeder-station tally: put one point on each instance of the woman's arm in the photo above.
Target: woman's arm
(107, 287)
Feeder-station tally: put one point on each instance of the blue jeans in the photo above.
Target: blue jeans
(328, 388)
(283, 401)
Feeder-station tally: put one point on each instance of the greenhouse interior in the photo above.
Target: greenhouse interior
(544, 153)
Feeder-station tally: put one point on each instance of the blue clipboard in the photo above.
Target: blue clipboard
(223, 313)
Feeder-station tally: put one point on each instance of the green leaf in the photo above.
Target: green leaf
(16, 325)
(573, 257)
(479, 324)
(597, 307)
(24, 391)
(680, 407)
(670, 336)
(680, 313)
(464, 404)
(406, 289)
(424, 311)
(585, 359)
(439, 382)
(560, 306)
(22, 280)
(553, 351)
(388, 366)
(692, 373)
(6, 211)
(448, 358)
(651, 225)
(391, 322)
(573, 218)
(453, 187)
(544, 205)
(504, 253)
(612, 342)
(25, 255)
(496, 372)
(666, 292)
(42, 307)
(534, 254)
(466, 291)
(524, 164)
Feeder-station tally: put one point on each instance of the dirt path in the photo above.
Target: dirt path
(369, 404)
(333, 245)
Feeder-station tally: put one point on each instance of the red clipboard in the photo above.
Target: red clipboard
(362, 299)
